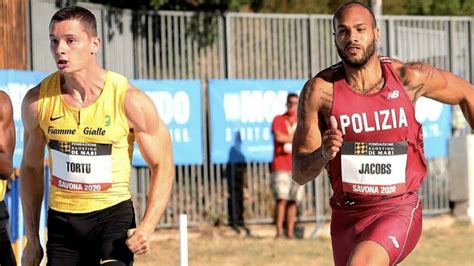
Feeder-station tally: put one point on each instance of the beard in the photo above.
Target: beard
(357, 63)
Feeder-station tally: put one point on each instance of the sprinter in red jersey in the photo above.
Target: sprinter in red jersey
(357, 119)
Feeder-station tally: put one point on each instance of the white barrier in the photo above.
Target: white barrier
(461, 173)
(183, 240)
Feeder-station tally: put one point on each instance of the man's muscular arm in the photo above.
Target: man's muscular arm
(32, 177)
(421, 79)
(311, 151)
(7, 141)
(154, 142)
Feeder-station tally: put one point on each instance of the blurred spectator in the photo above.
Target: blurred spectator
(286, 192)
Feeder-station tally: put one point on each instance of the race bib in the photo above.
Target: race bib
(374, 168)
(81, 166)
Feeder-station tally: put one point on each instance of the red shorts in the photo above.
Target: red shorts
(394, 223)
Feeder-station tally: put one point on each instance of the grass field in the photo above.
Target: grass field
(442, 243)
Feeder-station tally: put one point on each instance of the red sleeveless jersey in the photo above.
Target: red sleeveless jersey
(382, 154)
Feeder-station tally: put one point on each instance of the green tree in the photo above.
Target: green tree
(440, 7)
(446, 7)
(467, 7)
(417, 7)
(394, 7)
(295, 6)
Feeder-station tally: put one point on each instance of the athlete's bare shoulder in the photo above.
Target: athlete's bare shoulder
(131, 89)
(316, 96)
(323, 85)
(29, 107)
(32, 96)
(413, 76)
(138, 107)
(4, 98)
(135, 97)
(30, 101)
(6, 108)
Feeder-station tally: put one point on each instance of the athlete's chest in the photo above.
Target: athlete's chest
(98, 123)
(388, 111)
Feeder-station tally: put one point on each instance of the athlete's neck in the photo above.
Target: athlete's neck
(83, 87)
(367, 78)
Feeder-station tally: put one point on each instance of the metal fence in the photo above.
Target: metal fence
(13, 40)
(158, 45)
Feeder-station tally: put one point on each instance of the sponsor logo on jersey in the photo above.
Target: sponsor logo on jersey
(360, 148)
(394, 241)
(61, 131)
(377, 121)
(393, 95)
(64, 146)
(51, 118)
(94, 131)
(70, 131)
(80, 148)
(107, 120)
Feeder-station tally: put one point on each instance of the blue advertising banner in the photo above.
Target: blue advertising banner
(436, 120)
(16, 83)
(241, 114)
(179, 104)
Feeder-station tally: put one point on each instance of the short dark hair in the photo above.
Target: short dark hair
(347, 5)
(291, 95)
(86, 18)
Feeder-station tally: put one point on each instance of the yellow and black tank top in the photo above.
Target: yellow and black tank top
(3, 188)
(90, 148)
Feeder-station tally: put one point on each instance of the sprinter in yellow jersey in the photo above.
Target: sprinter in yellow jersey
(7, 146)
(88, 118)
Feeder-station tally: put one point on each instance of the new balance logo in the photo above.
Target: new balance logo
(393, 95)
(394, 241)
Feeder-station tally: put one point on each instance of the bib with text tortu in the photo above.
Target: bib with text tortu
(81, 166)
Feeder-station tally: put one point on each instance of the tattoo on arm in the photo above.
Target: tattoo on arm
(308, 166)
(305, 163)
(308, 92)
(326, 97)
(408, 73)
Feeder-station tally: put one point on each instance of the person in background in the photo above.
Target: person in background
(286, 192)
